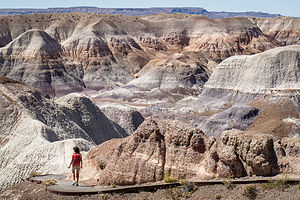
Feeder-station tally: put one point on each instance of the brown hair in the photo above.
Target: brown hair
(76, 149)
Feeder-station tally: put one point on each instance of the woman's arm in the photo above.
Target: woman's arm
(71, 162)
(80, 160)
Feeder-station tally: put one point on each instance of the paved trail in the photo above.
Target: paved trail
(65, 187)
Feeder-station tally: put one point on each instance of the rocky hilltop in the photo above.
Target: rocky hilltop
(255, 93)
(75, 52)
(38, 134)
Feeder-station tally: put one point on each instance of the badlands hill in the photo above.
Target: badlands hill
(100, 52)
(38, 134)
(283, 29)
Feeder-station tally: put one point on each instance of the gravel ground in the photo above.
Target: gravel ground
(28, 190)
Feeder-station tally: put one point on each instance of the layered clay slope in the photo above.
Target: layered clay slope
(105, 51)
(38, 134)
(186, 70)
(34, 58)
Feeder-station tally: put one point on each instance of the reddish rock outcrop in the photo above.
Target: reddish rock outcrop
(161, 147)
(155, 149)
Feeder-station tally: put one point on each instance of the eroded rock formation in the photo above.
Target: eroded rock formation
(161, 147)
(288, 151)
(34, 58)
(273, 70)
(245, 154)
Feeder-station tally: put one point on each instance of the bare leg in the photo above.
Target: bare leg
(77, 175)
(73, 172)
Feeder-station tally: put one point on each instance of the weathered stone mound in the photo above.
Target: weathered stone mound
(155, 149)
(38, 134)
(160, 147)
(227, 37)
(288, 153)
(32, 44)
(268, 81)
(89, 117)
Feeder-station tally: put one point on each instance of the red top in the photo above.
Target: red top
(76, 158)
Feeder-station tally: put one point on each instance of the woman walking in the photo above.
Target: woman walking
(76, 163)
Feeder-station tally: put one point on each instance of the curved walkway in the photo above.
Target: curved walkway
(65, 187)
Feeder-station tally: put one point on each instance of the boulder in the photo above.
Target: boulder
(288, 154)
(248, 154)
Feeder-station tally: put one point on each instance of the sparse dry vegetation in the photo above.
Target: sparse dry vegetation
(228, 182)
(34, 174)
(278, 184)
(170, 179)
(184, 191)
(49, 182)
(28, 190)
(103, 196)
(250, 192)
